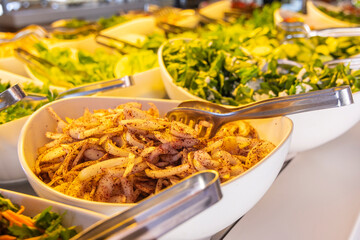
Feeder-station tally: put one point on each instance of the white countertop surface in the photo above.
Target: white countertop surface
(317, 196)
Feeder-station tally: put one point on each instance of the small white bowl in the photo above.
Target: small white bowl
(319, 19)
(143, 26)
(239, 194)
(147, 84)
(11, 170)
(311, 129)
(216, 9)
(13, 65)
(79, 217)
(281, 14)
(140, 26)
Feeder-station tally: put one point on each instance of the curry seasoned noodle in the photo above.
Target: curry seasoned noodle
(126, 154)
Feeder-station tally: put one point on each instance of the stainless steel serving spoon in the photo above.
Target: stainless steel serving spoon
(193, 112)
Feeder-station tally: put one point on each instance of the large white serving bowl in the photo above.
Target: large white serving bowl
(74, 216)
(311, 129)
(216, 9)
(240, 194)
(322, 20)
(13, 65)
(281, 14)
(147, 84)
(10, 170)
(315, 18)
(139, 26)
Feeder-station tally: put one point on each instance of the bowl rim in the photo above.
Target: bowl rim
(49, 202)
(314, 5)
(164, 70)
(31, 175)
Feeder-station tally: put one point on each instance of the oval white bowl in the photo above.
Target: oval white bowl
(148, 84)
(240, 194)
(13, 65)
(11, 170)
(74, 216)
(311, 129)
(322, 20)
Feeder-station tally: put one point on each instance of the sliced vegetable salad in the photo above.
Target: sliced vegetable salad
(46, 225)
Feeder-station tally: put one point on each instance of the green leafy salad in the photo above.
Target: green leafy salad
(237, 64)
(77, 67)
(46, 225)
(24, 108)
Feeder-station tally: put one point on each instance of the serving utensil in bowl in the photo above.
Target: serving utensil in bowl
(192, 112)
(352, 62)
(311, 129)
(293, 30)
(89, 89)
(322, 20)
(239, 194)
(157, 215)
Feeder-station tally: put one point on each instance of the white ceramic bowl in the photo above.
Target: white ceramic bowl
(240, 194)
(216, 9)
(140, 26)
(148, 84)
(13, 65)
(10, 170)
(311, 129)
(322, 20)
(281, 14)
(79, 217)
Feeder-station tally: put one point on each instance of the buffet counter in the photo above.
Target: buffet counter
(316, 197)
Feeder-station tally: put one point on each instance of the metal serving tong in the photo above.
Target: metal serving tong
(35, 30)
(192, 112)
(293, 30)
(88, 89)
(353, 62)
(159, 214)
(42, 32)
(40, 64)
(11, 96)
(114, 43)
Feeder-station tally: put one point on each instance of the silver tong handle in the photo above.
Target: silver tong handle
(159, 214)
(113, 43)
(88, 89)
(279, 106)
(336, 32)
(11, 96)
(103, 86)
